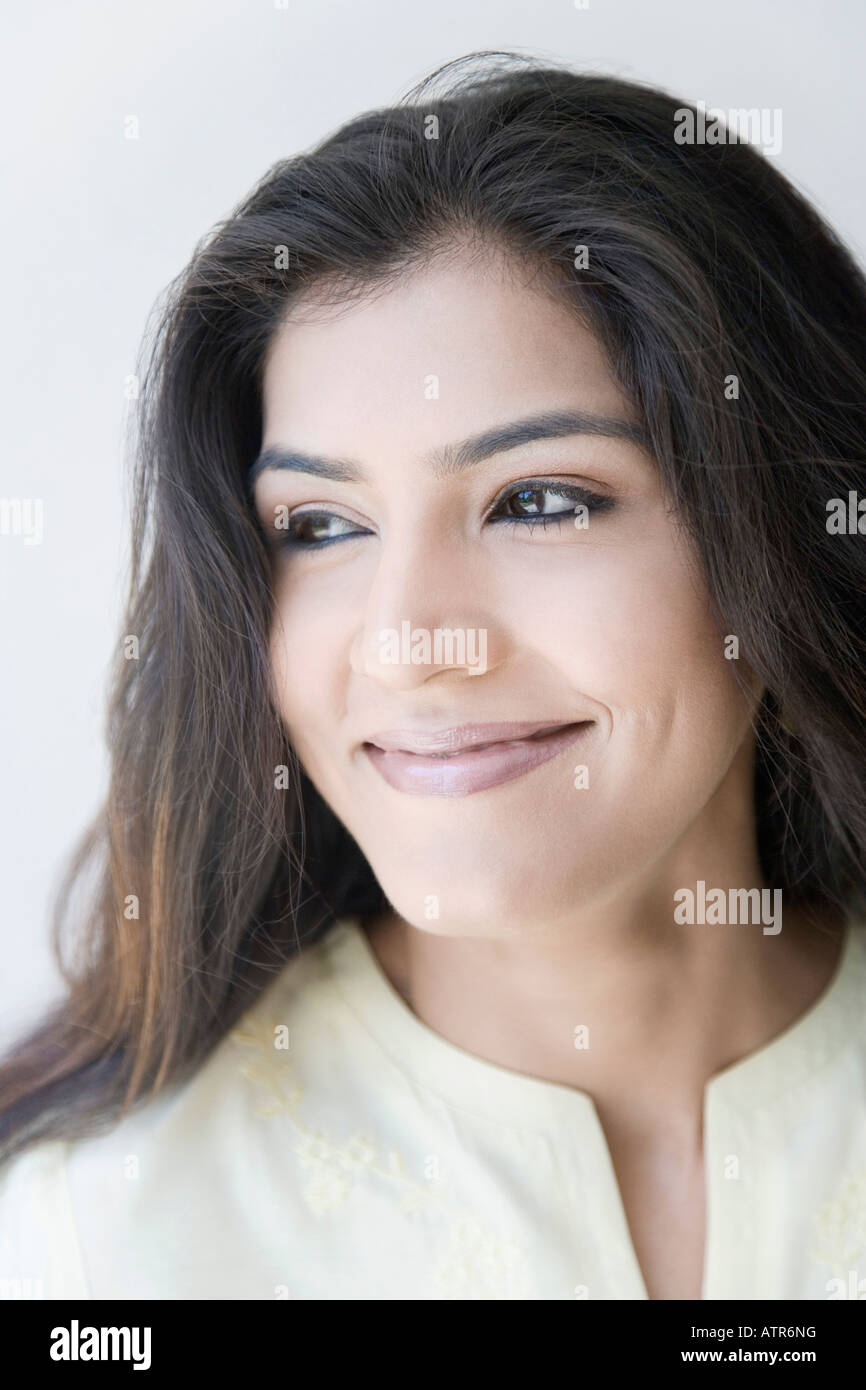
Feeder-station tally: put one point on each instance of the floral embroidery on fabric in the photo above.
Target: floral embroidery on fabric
(475, 1255)
(478, 1265)
(840, 1227)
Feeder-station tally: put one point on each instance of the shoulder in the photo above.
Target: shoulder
(40, 1256)
(177, 1199)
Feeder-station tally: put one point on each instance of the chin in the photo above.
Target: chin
(500, 906)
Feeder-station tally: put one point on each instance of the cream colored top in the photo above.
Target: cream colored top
(372, 1159)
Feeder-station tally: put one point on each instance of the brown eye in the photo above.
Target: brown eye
(548, 502)
(533, 501)
(313, 530)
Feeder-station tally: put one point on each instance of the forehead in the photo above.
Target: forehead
(448, 348)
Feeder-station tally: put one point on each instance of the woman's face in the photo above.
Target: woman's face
(570, 592)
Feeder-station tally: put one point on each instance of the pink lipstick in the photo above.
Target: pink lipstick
(466, 758)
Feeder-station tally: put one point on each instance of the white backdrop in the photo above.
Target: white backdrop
(95, 225)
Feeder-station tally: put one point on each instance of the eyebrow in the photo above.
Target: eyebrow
(453, 458)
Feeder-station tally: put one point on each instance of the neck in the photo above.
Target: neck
(619, 1000)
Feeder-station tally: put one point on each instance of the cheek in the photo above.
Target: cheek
(629, 624)
(309, 655)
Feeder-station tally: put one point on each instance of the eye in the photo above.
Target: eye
(546, 503)
(313, 530)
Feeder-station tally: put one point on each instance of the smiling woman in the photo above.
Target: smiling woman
(406, 1005)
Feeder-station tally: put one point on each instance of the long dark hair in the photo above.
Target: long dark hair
(702, 264)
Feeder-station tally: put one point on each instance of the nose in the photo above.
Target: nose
(429, 611)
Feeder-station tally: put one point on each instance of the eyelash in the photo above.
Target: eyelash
(593, 501)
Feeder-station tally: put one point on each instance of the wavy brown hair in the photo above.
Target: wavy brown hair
(704, 262)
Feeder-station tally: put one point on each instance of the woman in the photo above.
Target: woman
(482, 869)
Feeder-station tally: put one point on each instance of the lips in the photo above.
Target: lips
(467, 758)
